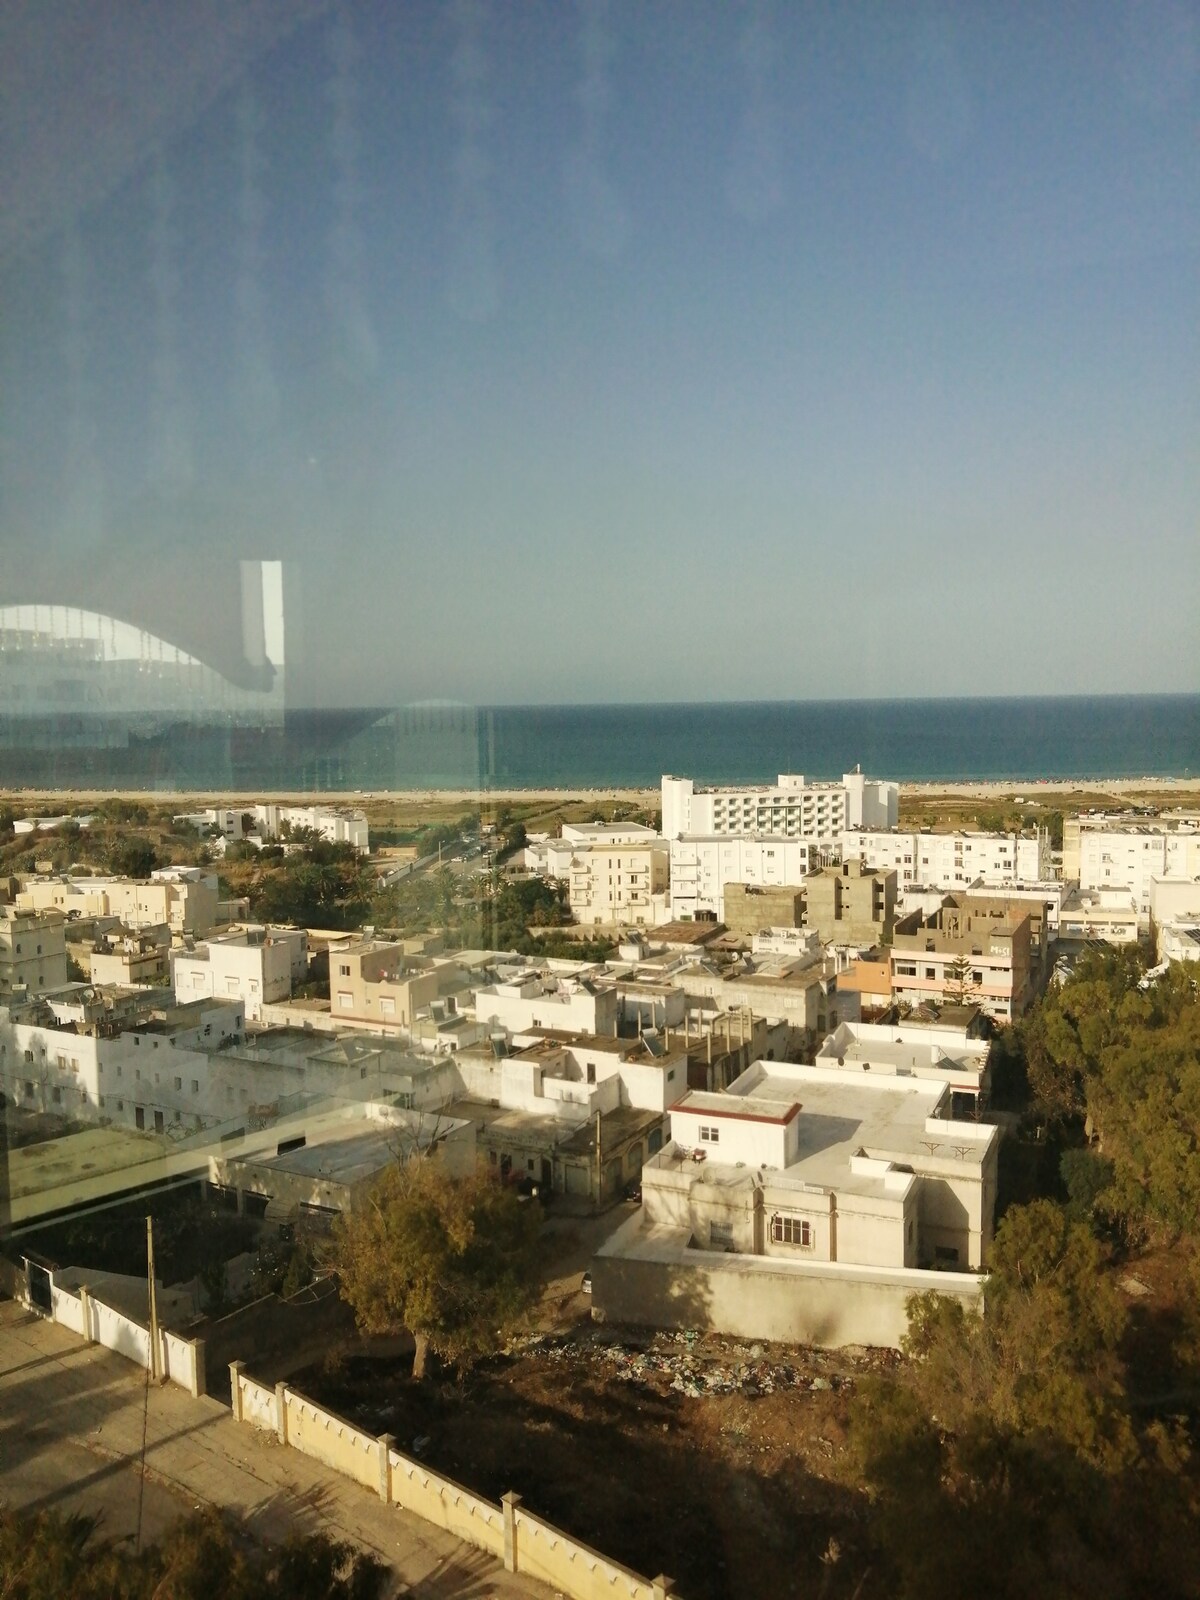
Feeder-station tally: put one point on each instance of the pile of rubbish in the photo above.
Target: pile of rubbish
(691, 1364)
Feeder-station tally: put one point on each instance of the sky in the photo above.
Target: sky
(612, 352)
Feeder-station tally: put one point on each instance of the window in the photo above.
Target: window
(195, 1085)
(720, 1234)
(792, 1230)
(343, 970)
(179, 1083)
(931, 972)
(345, 1000)
(29, 1055)
(709, 1134)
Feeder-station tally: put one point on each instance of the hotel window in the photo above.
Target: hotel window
(709, 1135)
(792, 1230)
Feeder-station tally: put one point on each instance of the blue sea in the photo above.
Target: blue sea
(515, 747)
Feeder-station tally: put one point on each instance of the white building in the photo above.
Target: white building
(271, 823)
(951, 860)
(1104, 852)
(701, 866)
(1109, 916)
(256, 966)
(569, 1004)
(793, 808)
(906, 1049)
(806, 1204)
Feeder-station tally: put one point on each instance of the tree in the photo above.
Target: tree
(131, 857)
(961, 987)
(453, 1261)
(44, 1555)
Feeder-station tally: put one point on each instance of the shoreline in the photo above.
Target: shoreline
(1028, 790)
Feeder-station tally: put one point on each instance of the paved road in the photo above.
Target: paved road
(72, 1422)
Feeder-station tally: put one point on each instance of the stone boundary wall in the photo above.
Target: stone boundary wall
(524, 1542)
(180, 1360)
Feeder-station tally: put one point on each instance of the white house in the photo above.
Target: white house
(951, 860)
(701, 866)
(806, 1204)
(257, 966)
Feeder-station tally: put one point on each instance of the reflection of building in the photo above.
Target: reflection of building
(73, 679)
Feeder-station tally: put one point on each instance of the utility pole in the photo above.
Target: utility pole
(154, 1362)
(599, 1164)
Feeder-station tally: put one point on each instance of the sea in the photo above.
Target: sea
(440, 746)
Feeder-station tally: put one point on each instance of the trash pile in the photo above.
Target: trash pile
(691, 1364)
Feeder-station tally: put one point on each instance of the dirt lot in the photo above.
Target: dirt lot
(721, 1462)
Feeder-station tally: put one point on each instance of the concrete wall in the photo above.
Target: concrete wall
(793, 1303)
(524, 1542)
(181, 1361)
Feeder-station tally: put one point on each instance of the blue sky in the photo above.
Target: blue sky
(583, 352)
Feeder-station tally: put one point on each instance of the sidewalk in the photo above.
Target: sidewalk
(71, 1434)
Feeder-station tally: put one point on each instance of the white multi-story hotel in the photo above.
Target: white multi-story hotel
(792, 809)
(951, 860)
(701, 867)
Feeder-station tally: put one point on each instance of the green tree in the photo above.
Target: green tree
(961, 988)
(454, 1262)
(131, 857)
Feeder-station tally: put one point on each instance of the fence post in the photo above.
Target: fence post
(281, 1428)
(200, 1368)
(510, 1502)
(663, 1587)
(386, 1441)
(85, 1305)
(236, 1368)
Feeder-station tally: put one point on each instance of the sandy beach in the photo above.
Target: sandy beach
(1044, 791)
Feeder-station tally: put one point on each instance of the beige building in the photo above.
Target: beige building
(617, 885)
(130, 960)
(378, 983)
(185, 898)
(806, 1204)
(851, 904)
(1107, 916)
(33, 951)
(977, 951)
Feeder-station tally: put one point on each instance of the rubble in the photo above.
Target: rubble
(698, 1366)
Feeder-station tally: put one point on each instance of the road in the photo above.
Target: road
(73, 1422)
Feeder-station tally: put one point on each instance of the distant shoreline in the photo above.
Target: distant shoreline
(1041, 790)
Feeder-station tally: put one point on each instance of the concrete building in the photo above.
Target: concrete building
(1107, 916)
(130, 959)
(256, 965)
(806, 1204)
(336, 1172)
(751, 908)
(185, 898)
(792, 808)
(974, 949)
(951, 860)
(618, 884)
(702, 866)
(851, 904)
(565, 1003)
(33, 951)
(869, 976)
(1179, 939)
(1123, 852)
(378, 983)
(907, 1049)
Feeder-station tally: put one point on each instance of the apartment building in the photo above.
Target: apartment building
(702, 865)
(33, 951)
(1118, 852)
(257, 966)
(751, 908)
(375, 982)
(614, 884)
(981, 951)
(793, 808)
(851, 904)
(951, 860)
(185, 898)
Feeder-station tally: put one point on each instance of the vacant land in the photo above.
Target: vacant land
(719, 1461)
